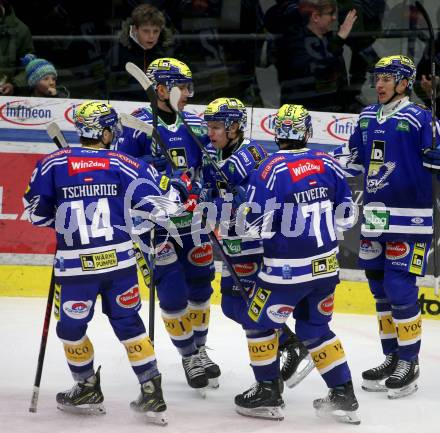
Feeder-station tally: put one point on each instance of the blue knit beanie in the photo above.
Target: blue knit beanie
(36, 69)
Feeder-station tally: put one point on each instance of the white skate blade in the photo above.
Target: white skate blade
(158, 418)
(273, 413)
(304, 368)
(402, 392)
(213, 383)
(84, 409)
(201, 392)
(342, 416)
(374, 385)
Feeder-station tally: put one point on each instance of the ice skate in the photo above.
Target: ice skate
(403, 381)
(296, 362)
(150, 402)
(374, 378)
(83, 398)
(195, 373)
(212, 370)
(340, 404)
(262, 400)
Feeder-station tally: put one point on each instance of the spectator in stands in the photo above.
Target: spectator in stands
(15, 42)
(363, 55)
(311, 69)
(143, 38)
(41, 77)
(423, 82)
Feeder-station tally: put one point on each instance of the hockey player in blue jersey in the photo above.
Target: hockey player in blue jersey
(182, 275)
(237, 158)
(85, 194)
(387, 146)
(298, 200)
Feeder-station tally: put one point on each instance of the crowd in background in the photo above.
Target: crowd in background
(321, 50)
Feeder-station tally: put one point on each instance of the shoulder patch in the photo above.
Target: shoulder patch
(56, 154)
(123, 157)
(270, 165)
(254, 153)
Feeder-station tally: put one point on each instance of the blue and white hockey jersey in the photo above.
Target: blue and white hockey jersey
(237, 168)
(86, 195)
(297, 199)
(181, 147)
(397, 188)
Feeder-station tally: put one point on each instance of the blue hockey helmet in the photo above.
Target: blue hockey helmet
(399, 67)
(92, 117)
(228, 111)
(170, 72)
(293, 122)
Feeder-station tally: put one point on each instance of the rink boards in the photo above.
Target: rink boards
(351, 297)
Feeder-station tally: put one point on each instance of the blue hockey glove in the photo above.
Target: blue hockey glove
(159, 162)
(205, 195)
(431, 159)
(239, 197)
(182, 182)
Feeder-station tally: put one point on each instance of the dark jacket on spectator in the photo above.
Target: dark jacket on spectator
(15, 42)
(120, 84)
(311, 70)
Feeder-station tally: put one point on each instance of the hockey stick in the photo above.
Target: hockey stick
(435, 186)
(139, 75)
(55, 133)
(135, 123)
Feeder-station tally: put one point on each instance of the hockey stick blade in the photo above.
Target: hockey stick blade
(174, 98)
(130, 121)
(55, 133)
(139, 75)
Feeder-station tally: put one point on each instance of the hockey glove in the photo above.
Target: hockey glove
(239, 197)
(159, 162)
(431, 159)
(205, 195)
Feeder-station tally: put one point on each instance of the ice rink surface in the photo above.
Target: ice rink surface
(21, 325)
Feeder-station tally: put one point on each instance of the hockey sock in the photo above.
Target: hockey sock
(79, 355)
(387, 327)
(329, 358)
(409, 330)
(199, 315)
(141, 355)
(263, 354)
(179, 327)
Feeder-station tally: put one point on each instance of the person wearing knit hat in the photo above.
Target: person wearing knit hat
(41, 76)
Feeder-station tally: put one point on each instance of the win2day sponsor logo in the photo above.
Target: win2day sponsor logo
(341, 128)
(22, 112)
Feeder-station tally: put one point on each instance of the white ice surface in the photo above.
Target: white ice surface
(21, 323)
